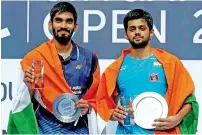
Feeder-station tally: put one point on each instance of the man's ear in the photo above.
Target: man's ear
(50, 25)
(151, 33)
(125, 35)
(76, 27)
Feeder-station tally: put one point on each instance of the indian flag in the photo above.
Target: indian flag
(22, 118)
(105, 99)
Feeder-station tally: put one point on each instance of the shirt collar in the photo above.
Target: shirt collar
(74, 55)
(74, 52)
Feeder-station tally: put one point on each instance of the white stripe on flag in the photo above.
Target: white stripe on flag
(101, 124)
(22, 99)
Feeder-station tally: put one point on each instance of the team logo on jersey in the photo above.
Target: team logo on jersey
(123, 68)
(78, 66)
(154, 77)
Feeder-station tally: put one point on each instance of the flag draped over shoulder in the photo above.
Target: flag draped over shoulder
(180, 88)
(54, 85)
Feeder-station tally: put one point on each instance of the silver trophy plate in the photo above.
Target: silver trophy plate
(63, 108)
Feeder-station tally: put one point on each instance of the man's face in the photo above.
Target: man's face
(63, 27)
(138, 33)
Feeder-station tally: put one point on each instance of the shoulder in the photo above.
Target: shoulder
(87, 53)
(165, 55)
(90, 56)
(169, 59)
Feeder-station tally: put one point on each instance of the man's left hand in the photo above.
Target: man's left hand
(167, 123)
(83, 105)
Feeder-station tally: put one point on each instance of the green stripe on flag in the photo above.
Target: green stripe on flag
(23, 122)
(190, 121)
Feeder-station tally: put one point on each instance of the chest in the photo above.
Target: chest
(77, 73)
(134, 79)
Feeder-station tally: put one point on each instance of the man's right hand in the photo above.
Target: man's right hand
(29, 78)
(119, 114)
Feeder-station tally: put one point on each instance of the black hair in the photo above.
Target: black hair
(138, 14)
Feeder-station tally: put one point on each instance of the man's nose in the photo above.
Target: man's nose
(64, 24)
(137, 32)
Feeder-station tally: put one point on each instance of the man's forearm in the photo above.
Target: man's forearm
(184, 111)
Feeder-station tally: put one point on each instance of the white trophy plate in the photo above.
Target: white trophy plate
(63, 108)
(147, 107)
